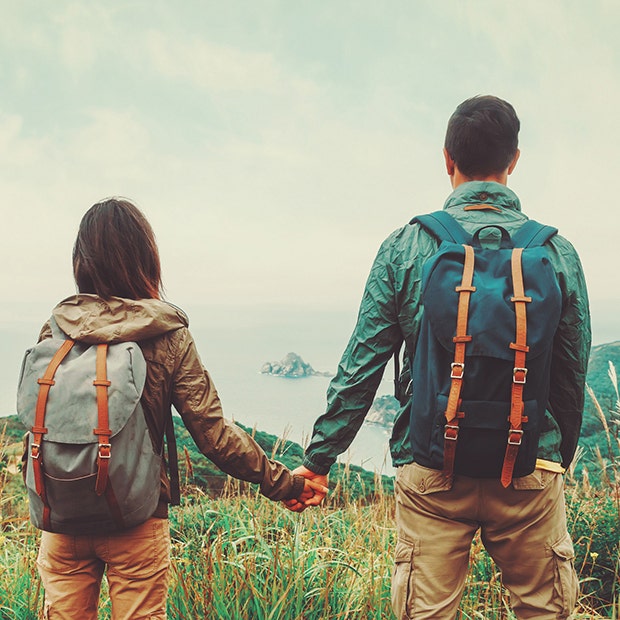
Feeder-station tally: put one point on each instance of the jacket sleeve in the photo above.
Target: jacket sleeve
(571, 348)
(229, 447)
(375, 338)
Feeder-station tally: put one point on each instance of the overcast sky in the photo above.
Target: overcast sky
(274, 144)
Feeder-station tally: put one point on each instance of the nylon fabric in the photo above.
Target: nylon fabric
(390, 314)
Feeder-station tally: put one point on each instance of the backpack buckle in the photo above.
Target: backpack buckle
(35, 450)
(104, 450)
(519, 437)
(519, 375)
(458, 370)
(451, 432)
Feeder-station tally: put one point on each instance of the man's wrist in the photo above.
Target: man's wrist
(314, 467)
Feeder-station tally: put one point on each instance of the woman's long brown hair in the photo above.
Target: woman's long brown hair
(115, 253)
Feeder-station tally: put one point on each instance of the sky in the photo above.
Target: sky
(273, 144)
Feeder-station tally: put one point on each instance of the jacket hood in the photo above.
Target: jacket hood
(92, 319)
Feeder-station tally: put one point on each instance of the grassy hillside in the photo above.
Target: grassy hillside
(242, 557)
(237, 555)
(600, 432)
(196, 470)
(598, 371)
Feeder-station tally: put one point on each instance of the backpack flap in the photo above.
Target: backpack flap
(71, 413)
(491, 308)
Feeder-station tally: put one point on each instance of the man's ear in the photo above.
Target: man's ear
(514, 161)
(449, 163)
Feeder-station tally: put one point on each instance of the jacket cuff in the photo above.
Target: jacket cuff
(314, 467)
(298, 487)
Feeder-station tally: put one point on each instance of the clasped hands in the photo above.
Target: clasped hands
(315, 490)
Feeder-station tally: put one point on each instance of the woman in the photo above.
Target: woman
(117, 272)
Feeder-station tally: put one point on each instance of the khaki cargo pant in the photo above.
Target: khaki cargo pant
(522, 527)
(136, 563)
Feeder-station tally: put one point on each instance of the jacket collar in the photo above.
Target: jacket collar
(483, 192)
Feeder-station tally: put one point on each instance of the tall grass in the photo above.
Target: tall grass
(257, 561)
(20, 590)
(243, 557)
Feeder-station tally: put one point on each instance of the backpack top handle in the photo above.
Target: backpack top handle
(505, 242)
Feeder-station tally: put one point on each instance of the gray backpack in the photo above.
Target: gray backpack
(92, 466)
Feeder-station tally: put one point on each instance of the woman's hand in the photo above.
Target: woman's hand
(314, 491)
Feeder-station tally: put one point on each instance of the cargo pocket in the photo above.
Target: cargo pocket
(423, 480)
(403, 579)
(565, 585)
(537, 480)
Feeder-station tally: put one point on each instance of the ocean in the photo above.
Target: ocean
(234, 343)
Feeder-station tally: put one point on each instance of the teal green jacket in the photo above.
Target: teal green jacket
(391, 312)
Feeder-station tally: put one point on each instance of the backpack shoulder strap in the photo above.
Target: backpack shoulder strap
(533, 234)
(443, 226)
(173, 461)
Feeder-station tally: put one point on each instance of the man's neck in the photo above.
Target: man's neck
(458, 178)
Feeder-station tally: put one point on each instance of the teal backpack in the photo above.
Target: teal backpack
(481, 369)
(92, 466)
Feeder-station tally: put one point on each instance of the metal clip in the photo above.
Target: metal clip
(519, 433)
(107, 446)
(514, 375)
(460, 366)
(453, 428)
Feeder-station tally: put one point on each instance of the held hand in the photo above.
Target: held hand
(314, 491)
(318, 479)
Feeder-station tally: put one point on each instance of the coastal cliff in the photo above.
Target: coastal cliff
(292, 367)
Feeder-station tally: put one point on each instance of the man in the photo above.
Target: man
(523, 523)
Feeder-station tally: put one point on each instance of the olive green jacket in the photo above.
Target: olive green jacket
(391, 312)
(175, 377)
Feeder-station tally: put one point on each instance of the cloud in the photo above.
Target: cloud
(15, 149)
(210, 66)
(113, 144)
(273, 169)
(82, 34)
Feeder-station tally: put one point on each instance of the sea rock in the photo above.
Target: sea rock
(383, 411)
(291, 367)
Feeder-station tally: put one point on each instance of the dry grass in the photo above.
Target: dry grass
(242, 557)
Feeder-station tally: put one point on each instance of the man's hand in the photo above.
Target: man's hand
(315, 490)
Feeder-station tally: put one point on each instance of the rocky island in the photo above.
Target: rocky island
(383, 411)
(292, 367)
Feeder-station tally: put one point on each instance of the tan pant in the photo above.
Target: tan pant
(522, 527)
(137, 561)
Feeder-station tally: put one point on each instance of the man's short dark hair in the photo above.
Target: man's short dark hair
(482, 135)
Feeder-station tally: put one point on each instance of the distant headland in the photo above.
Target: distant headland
(292, 367)
(383, 411)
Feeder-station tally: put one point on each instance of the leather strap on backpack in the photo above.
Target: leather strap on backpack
(103, 431)
(519, 373)
(39, 430)
(457, 372)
